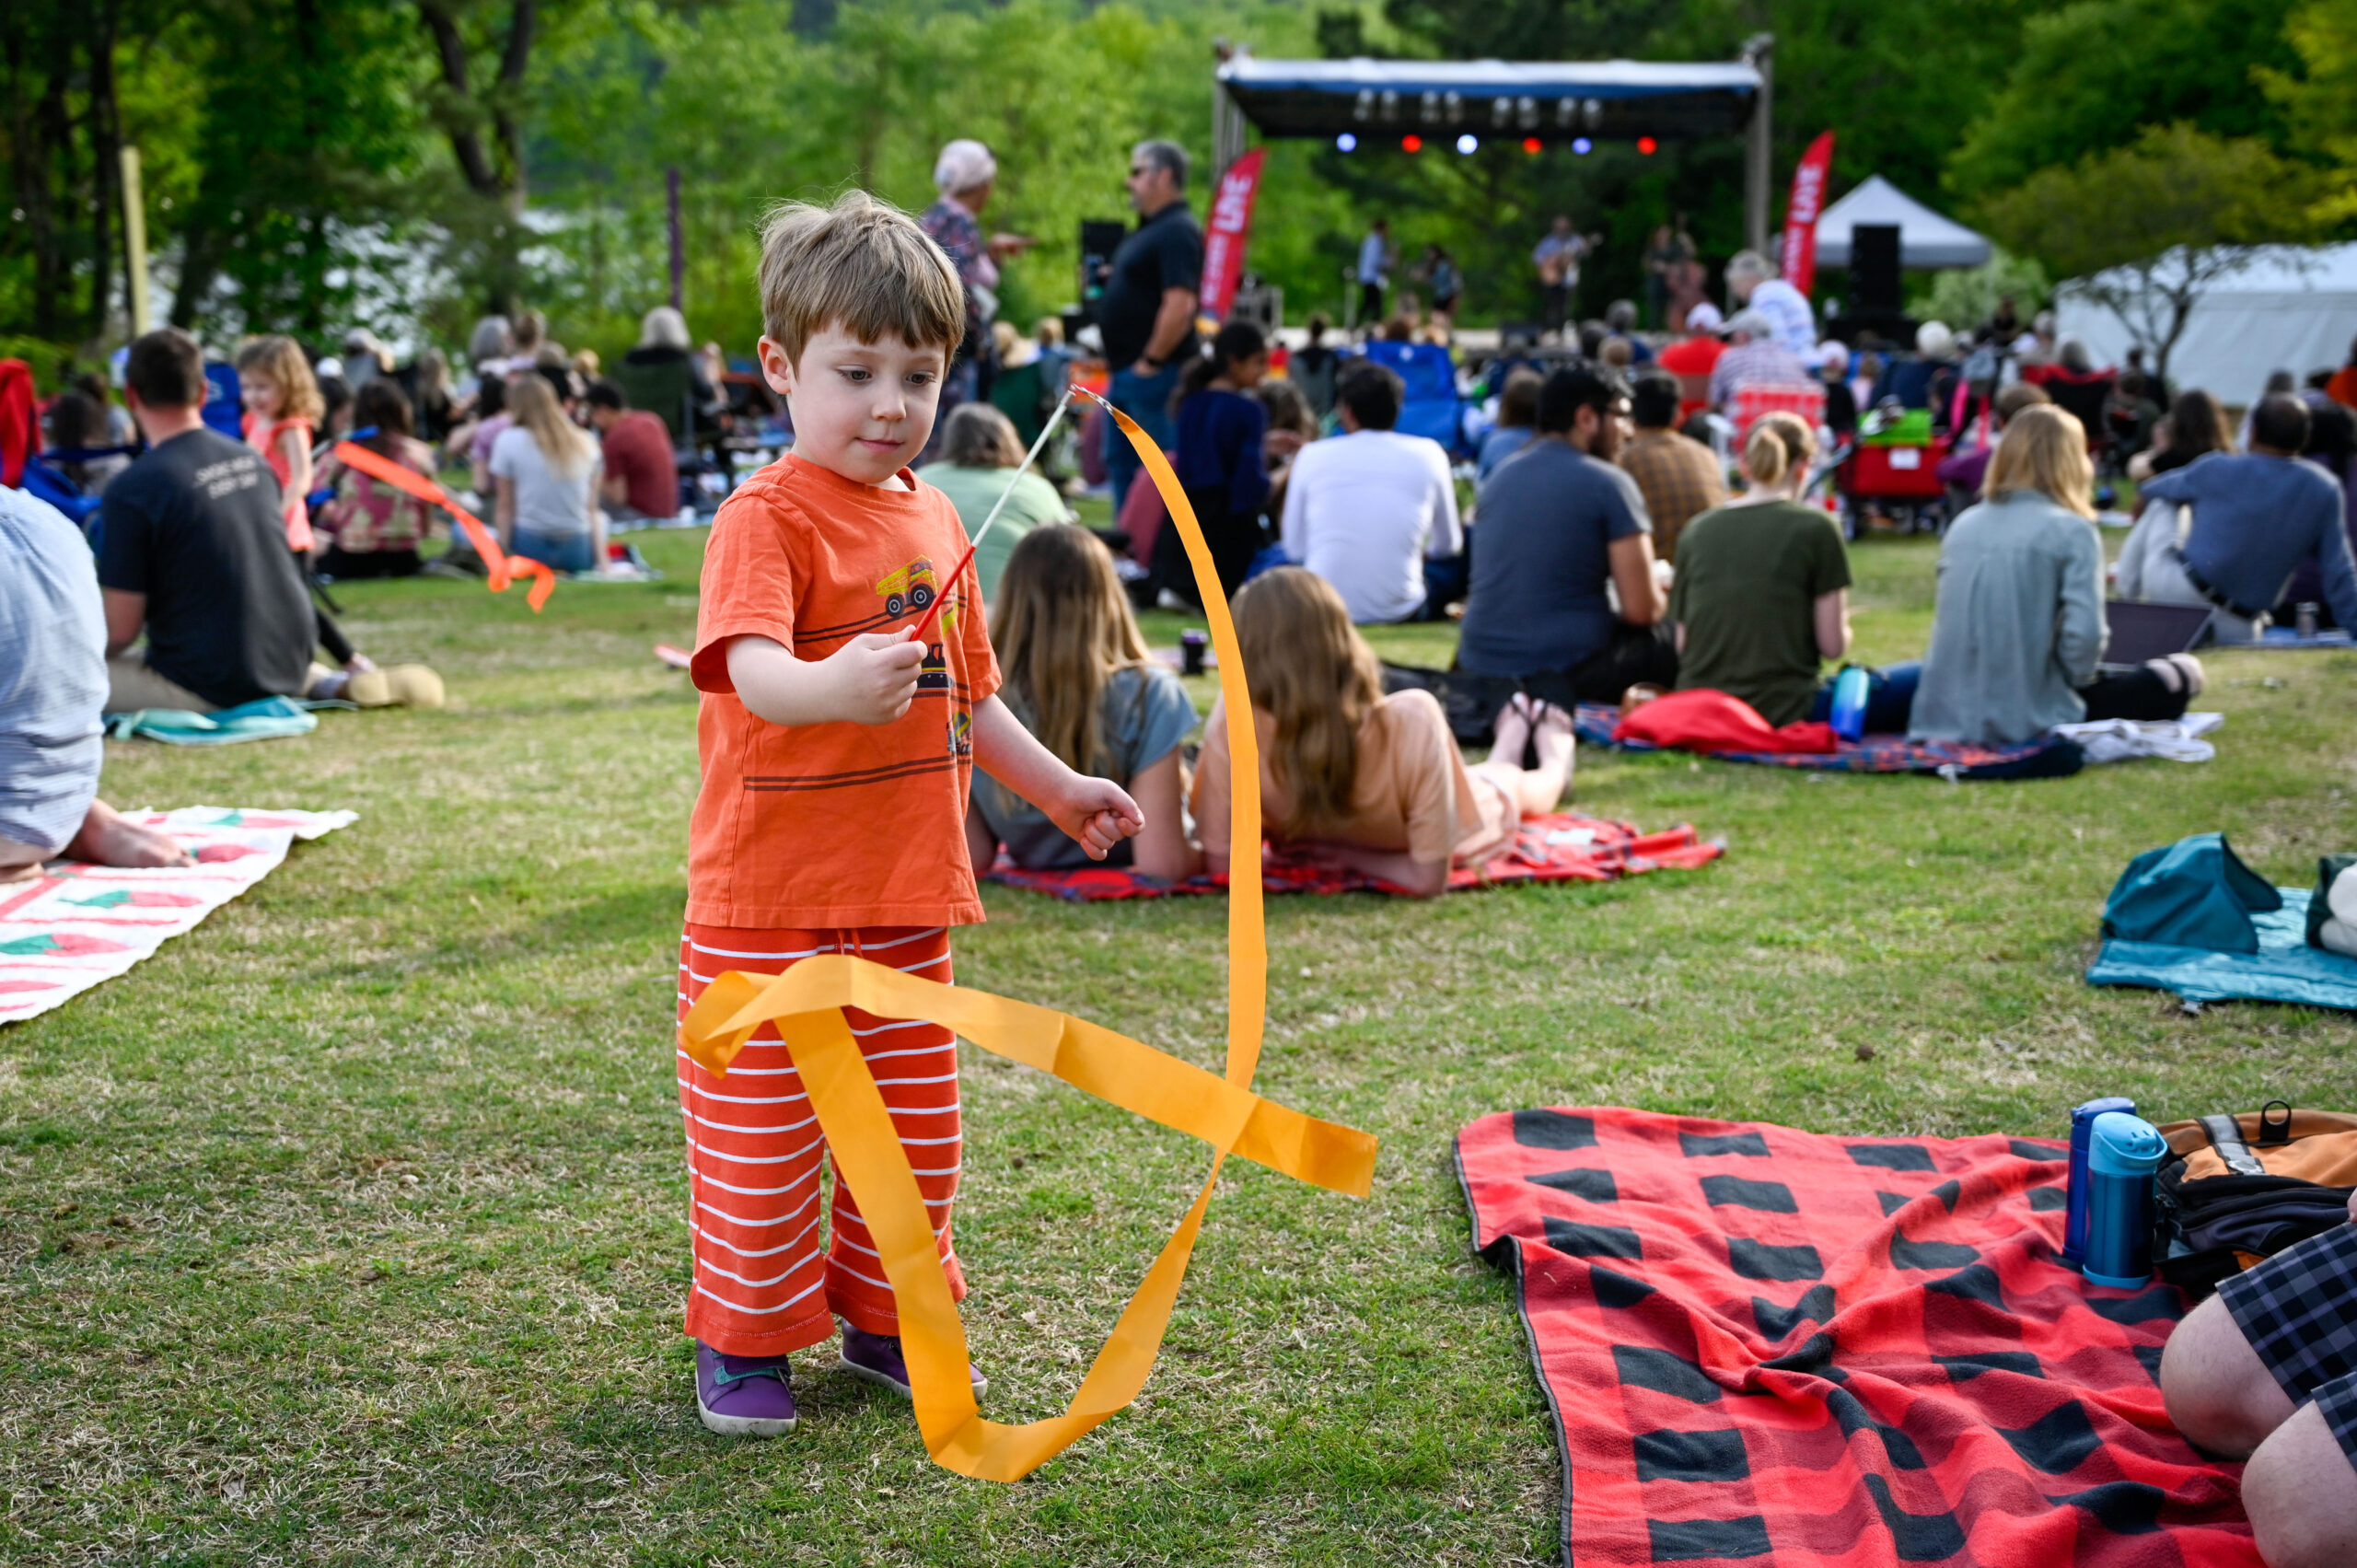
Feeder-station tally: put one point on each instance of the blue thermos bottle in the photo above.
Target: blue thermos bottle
(2123, 1153)
(1850, 690)
(2075, 1212)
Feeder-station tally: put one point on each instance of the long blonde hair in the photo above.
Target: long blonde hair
(1062, 626)
(1308, 666)
(534, 404)
(1778, 444)
(2044, 448)
(281, 361)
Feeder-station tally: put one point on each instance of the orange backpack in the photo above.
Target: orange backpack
(2237, 1190)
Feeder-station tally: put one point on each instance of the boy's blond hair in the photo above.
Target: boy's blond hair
(861, 264)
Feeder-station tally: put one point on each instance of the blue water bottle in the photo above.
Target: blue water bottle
(1849, 717)
(2123, 1153)
(2075, 1212)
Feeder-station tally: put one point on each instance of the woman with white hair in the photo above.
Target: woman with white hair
(663, 340)
(967, 176)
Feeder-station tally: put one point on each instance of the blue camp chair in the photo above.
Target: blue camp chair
(225, 406)
(1429, 404)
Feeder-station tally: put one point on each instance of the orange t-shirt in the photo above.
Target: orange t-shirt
(832, 825)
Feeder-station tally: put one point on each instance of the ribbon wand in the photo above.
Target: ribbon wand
(924, 622)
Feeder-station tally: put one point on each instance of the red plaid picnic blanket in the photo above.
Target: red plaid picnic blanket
(1565, 847)
(1595, 722)
(1765, 1345)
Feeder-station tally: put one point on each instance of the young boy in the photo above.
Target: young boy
(837, 754)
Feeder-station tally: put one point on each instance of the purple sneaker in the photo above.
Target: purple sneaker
(743, 1395)
(877, 1359)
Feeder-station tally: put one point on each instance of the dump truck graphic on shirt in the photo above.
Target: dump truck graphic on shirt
(961, 735)
(913, 587)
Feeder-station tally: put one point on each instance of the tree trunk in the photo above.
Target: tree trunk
(466, 143)
(106, 165)
(310, 305)
(27, 157)
(509, 112)
(499, 177)
(51, 143)
(200, 264)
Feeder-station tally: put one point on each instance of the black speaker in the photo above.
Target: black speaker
(1873, 267)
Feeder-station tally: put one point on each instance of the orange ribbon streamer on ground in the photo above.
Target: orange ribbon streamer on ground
(502, 566)
(807, 1003)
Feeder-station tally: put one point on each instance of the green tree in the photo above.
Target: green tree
(1965, 296)
(2143, 230)
(2091, 76)
(2319, 100)
(307, 135)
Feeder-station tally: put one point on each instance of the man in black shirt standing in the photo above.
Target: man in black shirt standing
(1147, 312)
(194, 553)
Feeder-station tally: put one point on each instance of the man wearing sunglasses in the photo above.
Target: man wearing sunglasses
(1147, 312)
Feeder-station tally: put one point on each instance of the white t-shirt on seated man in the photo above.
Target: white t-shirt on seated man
(1365, 509)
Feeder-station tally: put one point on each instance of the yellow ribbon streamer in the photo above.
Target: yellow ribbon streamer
(806, 1003)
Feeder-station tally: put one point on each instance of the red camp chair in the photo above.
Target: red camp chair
(1759, 399)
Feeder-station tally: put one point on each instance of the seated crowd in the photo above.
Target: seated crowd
(1602, 556)
(1603, 559)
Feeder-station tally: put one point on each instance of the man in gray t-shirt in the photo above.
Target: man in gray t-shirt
(1554, 525)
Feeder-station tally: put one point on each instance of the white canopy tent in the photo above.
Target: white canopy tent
(1926, 238)
(2292, 309)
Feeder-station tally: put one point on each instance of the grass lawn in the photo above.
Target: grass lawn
(349, 1228)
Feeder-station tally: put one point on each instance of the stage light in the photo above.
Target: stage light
(1582, 146)
(1646, 144)
(1468, 142)
(1411, 143)
(1530, 144)
(1346, 143)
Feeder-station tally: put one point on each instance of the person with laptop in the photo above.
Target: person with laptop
(2258, 517)
(2017, 629)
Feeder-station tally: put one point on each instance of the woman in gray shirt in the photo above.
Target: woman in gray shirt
(2018, 629)
(546, 468)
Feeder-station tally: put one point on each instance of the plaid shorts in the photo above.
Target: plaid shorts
(2299, 1311)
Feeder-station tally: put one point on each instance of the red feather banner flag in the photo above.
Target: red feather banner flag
(1798, 262)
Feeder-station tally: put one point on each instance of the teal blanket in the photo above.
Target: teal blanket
(271, 718)
(2285, 968)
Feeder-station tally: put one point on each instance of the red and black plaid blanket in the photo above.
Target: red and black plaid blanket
(1764, 1345)
(2046, 757)
(1565, 847)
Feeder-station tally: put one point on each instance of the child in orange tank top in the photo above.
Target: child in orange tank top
(283, 407)
(837, 755)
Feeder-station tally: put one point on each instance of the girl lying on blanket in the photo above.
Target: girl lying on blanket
(1077, 674)
(1355, 779)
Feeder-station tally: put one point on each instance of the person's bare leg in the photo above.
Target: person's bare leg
(1543, 787)
(1511, 732)
(1534, 791)
(2302, 1495)
(2218, 1392)
(20, 862)
(109, 838)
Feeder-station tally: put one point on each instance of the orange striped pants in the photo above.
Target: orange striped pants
(761, 1287)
